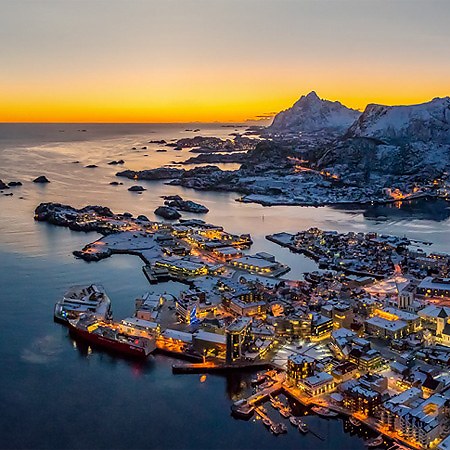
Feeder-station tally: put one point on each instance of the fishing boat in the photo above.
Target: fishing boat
(259, 379)
(375, 442)
(283, 427)
(275, 429)
(285, 412)
(324, 412)
(355, 422)
(294, 421)
(277, 404)
(267, 422)
(303, 427)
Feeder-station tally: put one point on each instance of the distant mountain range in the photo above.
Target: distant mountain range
(384, 140)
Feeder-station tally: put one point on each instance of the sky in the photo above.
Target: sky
(215, 60)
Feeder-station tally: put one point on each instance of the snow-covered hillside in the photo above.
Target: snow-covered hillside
(311, 114)
(425, 122)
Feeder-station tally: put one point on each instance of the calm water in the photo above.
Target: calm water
(55, 395)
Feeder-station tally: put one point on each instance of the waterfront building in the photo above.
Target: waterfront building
(226, 254)
(148, 306)
(423, 424)
(320, 383)
(255, 264)
(192, 305)
(206, 342)
(300, 367)
(139, 327)
(235, 334)
(183, 267)
(174, 341)
(391, 409)
(362, 399)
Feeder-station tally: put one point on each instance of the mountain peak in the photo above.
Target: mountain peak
(311, 113)
(312, 95)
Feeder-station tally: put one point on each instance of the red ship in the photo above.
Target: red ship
(107, 336)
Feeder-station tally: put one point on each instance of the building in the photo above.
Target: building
(295, 326)
(206, 342)
(392, 323)
(362, 399)
(192, 305)
(148, 306)
(406, 296)
(183, 267)
(344, 372)
(342, 316)
(434, 287)
(422, 424)
(235, 334)
(365, 360)
(255, 264)
(317, 384)
(386, 329)
(434, 317)
(242, 308)
(321, 326)
(300, 367)
(391, 409)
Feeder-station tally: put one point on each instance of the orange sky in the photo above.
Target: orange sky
(197, 60)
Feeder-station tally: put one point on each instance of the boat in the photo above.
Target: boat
(106, 335)
(294, 421)
(285, 412)
(259, 379)
(283, 427)
(267, 422)
(277, 404)
(324, 412)
(376, 441)
(275, 429)
(242, 409)
(355, 422)
(303, 427)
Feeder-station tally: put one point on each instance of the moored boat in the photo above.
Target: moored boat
(355, 422)
(376, 442)
(267, 422)
(303, 427)
(324, 412)
(294, 421)
(107, 336)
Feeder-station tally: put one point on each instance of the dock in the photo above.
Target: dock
(209, 366)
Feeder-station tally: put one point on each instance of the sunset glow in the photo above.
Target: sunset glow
(193, 60)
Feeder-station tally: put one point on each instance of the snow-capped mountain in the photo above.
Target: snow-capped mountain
(312, 114)
(425, 122)
(397, 140)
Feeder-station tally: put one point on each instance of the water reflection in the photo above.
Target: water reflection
(437, 210)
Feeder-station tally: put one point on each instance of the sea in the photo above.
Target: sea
(57, 394)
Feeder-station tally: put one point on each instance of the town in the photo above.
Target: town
(367, 336)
